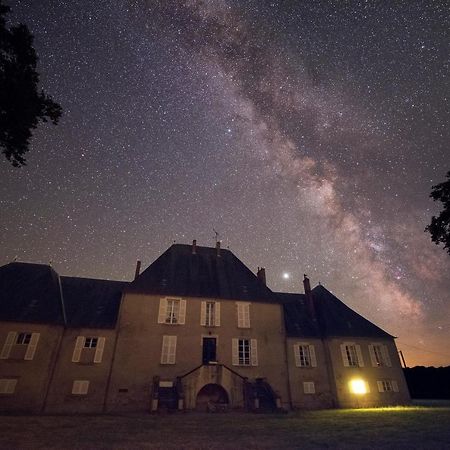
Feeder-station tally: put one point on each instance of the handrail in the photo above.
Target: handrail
(233, 371)
(223, 365)
(193, 370)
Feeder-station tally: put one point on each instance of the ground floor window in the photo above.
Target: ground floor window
(309, 387)
(8, 385)
(387, 386)
(80, 387)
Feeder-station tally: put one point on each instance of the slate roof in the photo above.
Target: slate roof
(30, 293)
(179, 272)
(91, 303)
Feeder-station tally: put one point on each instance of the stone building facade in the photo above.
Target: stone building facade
(195, 330)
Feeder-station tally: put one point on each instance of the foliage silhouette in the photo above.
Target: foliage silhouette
(22, 106)
(439, 227)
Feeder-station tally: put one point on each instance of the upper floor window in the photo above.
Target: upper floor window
(210, 314)
(172, 311)
(169, 350)
(379, 355)
(244, 352)
(88, 349)
(351, 355)
(305, 355)
(243, 314)
(20, 345)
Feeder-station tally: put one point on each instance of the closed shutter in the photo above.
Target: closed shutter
(309, 387)
(297, 355)
(254, 352)
(386, 357)
(312, 355)
(80, 387)
(235, 352)
(203, 314)
(367, 387)
(394, 386)
(243, 310)
(373, 358)
(360, 357)
(31, 349)
(182, 318)
(79, 344)
(99, 350)
(240, 314)
(380, 386)
(217, 319)
(162, 310)
(8, 385)
(344, 355)
(172, 349)
(165, 350)
(247, 315)
(10, 340)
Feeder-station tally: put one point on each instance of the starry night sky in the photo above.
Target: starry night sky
(307, 133)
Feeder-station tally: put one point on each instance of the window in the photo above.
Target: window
(172, 311)
(8, 385)
(309, 387)
(27, 341)
(244, 352)
(168, 351)
(243, 313)
(80, 387)
(305, 355)
(83, 353)
(23, 338)
(387, 386)
(379, 355)
(351, 355)
(210, 314)
(90, 342)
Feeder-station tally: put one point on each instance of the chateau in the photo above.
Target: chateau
(195, 330)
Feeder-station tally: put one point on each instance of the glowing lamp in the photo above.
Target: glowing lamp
(358, 387)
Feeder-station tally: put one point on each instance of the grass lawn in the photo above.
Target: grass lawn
(399, 428)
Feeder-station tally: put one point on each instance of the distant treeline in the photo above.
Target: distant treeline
(428, 382)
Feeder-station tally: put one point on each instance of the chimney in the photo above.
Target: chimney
(309, 297)
(194, 246)
(261, 274)
(138, 269)
(218, 248)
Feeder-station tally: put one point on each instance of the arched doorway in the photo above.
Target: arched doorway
(210, 397)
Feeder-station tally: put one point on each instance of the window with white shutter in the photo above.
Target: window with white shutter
(7, 346)
(243, 314)
(379, 355)
(309, 387)
(352, 355)
(79, 344)
(80, 387)
(94, 346)
(98, 356)
(244, 352)
(32, 346)
(305, 355)
(168, 351)
(22, 339)
(172, 311)
(210, 314)
(8, 385)
(387, 386)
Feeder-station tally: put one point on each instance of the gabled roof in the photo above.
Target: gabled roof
(337, 319)
(91, 303)
(179, 272)
(30, 293)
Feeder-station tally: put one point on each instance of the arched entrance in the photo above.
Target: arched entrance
(210, 397)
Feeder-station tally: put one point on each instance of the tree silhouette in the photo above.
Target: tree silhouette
(22, 106)
(439, 227)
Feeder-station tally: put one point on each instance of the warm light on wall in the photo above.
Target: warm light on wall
(358, 387)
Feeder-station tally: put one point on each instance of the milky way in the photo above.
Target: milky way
(308, 134)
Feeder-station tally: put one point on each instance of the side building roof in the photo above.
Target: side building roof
(180, 272)
(30, 293)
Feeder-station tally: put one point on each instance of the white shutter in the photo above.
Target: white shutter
(172, 349)
(10, 340)
(360, 357)
(373, 358)
(254, 352)
(8, 385)
(79, 344)
(240, 314)
(203, 314)
(217, 315)
(165, 350)
(367, 387)
(394, 386)
(162, 310)
(99, 350)
(297, 355)
(80, 387)
(312, 355)
(380, 386)
(235, 351)
(309, 387)
(182, 318)
(31, 349)
(344, 355)
(386, 357)
(247, 315)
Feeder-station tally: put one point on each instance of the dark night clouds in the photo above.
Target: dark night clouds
(308, 133)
